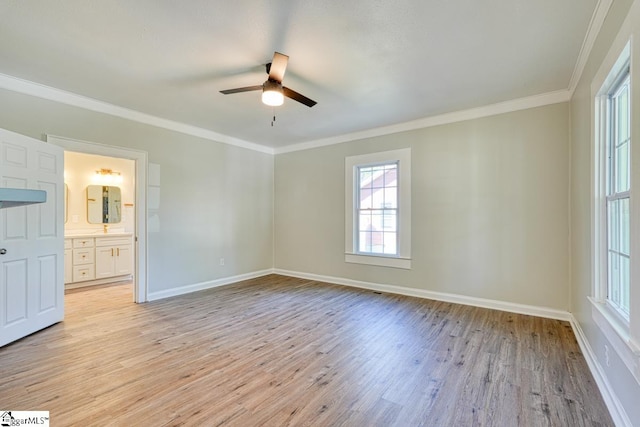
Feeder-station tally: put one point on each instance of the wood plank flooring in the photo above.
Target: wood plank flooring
(280, 351)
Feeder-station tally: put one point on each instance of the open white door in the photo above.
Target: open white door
(32, 263)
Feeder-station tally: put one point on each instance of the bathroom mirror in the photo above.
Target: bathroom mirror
(104, 204)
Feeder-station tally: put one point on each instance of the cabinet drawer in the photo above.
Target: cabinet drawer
(83, 243)
(83, 272)
(83, 256)
(113, 241)
(68, 244)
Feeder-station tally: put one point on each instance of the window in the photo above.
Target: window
(618, 141)
(378, 209)
(616, 266)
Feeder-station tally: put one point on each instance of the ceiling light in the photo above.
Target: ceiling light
(272, 93)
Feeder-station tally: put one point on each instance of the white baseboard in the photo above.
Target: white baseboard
(206, 285)
(609, 396)
(438, 296)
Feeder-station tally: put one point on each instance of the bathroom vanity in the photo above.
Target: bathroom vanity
(91, 259)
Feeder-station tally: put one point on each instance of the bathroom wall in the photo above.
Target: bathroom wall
(80, 172)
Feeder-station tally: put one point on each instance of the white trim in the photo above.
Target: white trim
(530, 310)
(57, 95)
(403, 157)
(595, 25)
(141, 275)
(616, 410)
(380, 261)
(441, 119)
(181, 290)
(47, 92)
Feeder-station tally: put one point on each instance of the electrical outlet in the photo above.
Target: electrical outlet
(221, 261)
(606, 355)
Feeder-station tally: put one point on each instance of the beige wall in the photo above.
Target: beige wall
(622, 382)
(489, 208)
(216, 199)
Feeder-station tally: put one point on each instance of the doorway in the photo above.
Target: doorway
(132, 205)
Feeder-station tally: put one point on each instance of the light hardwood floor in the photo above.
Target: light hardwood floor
(281, 351)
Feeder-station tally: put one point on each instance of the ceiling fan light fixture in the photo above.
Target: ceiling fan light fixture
(272, 93)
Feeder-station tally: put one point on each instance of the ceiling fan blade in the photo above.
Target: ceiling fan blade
(298, 97)
(241, 89)
(278, 66)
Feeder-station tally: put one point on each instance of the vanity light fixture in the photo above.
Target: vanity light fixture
(108, 176)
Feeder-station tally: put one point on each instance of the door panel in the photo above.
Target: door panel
(15, 296)
(47, 212)
(32, 278)
(47, 282)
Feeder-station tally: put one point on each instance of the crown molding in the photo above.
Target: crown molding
(47, 92)
(53, 94)
(442, 119)
(595, 25)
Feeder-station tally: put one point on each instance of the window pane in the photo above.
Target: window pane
(613, 229)
(614, 278)
(376, 220)
(390, 221)
(622, 168)
(378, 198)
(377, 242)
(377, 177)
(390, 244)
(365, 177)
(623, 302)
(623, 221)
(623, 115)
(391, 197)
(365, 198)
(364, 240)
(364, 221)
(391, 178)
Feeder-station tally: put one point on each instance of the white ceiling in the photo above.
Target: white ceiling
(368, 63)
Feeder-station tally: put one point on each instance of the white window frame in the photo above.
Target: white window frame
(618, 330)
(607, 123)
(403, 258)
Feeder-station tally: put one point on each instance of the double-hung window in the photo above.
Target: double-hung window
(378, 209)
(618, 142)
(616, 267)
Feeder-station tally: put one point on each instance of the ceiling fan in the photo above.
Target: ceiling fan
(273, 92)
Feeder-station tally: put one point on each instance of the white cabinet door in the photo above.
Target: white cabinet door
(32, 269)
(105, 261)
(124, 260)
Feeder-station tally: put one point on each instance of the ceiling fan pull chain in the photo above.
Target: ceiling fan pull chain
(274, 117)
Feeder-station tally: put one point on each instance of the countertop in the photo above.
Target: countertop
(96, 234)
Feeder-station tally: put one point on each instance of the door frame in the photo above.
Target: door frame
(140, 278)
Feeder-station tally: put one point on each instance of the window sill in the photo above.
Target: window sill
(381, 261)
(618, 335)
